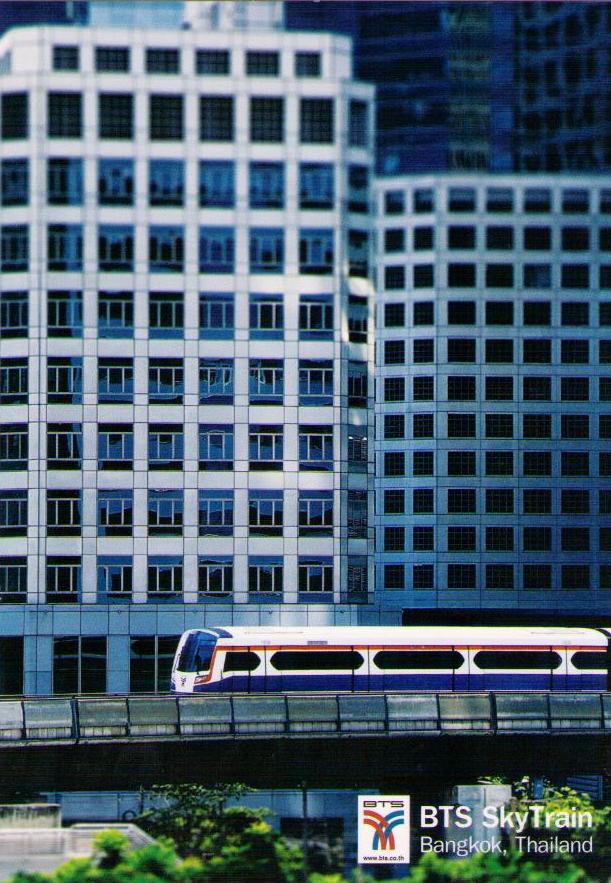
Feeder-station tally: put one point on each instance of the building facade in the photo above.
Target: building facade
(185, 344)
(493, 408)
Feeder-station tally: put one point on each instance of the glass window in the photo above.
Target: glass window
(64, 115)
(115, 313)
(307, 64)
(266, 313)
(266, 250)
(13, 381)
(216, 315)
(215, 447)
(112, 58)
(537, 199)
(316, 448)
(14, 180)
(63, 579)
(166, 117)
(165, 512)
(315, 513)
(65, 247)
(215, 513)
(115, 512)
(316, 254)
(266, 187)
(79, 665)
(265, 446)
(116, 181)
(162, 61)
(316, 317)
(13, 314)
(166, 314)
(115, 247)
(114, 578)
(65, 181)
(14, 122)
(266, 381)
(13, 589)
(264, 576)
(14, 248)
(115, 446)
(262, 64)
(13, 513)
(461, 199)
(215, 577)
(216, 381)
(358, 124)
(150, 664)
(316, 185)
(316, 121)
(166, 249)
(215, 118)
(164, 578)
(64, 445)
(65, 380)
(265, 512)
(315, 382)
(166, 182)
(115, 116)
(166, 446)
(216, 249)
(315, 575)
(65, 58)
(215, 62)
(216, 184)
(266, 119)
(537, 276)
(499, 199)
(64, 514)
(13, 447)
(166, 381)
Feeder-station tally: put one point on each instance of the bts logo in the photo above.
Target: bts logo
(383, 829)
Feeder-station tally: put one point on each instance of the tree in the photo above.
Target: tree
(513, 867)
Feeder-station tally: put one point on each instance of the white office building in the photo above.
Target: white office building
(493, 406)
(186, 342)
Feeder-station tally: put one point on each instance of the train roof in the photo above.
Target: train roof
(459, 635)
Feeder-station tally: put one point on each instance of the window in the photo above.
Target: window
(424, 312)
(461, 500)
(537, 539)
(13, 513)
(537, 463)
(166, 314)
(574, 426)
(216, 184)
(394, 389)
(537, 312)
(115, 248)
(604, 388)
(537, 425)
(316, 253)
(537, 238)
(537, 501)
(604, 426)
(266, 381)
(394, 278)
(265, 513)
(215, 513)
(423, 501)
(164, 581)
(575, 463)
(14, 121)
(499, 199)
(575, 238)
(575, 351)
(499, 462)
(604, 352)
(64, 380)
(162, 61)
(64, 513)
(394, 202)
(215, 62)
(266, 250)
(499, 237)
(112, 58)
(115, 116)
(358, 125)
(114, 578)
(461, 199)
(394, 463)
(307, 64)
(165, 512)
(424, 238)
(115, 446)
(499, 539)
(315, 382)
(215, 447)
(499, 500)
(394, 502)
(575, 276)
(216, 118)
(166, 117)
(64, 247)
(216, 313)
(14, 248)
(423, 425)
(424, 275)
(357, 520)
(216, 249)
(262, 64)
(214, 577)
(423, 539)
(266, 185)
(575, 576)
(423, 388)
(64, 115)
(499, 275)
(64, 181)
(79, 665)
(316, 121)
(115, 513)
(394, 539)
(358, 317)
(536, 389)
(63, 579)
(166, 182)
(166, 381)
(266, 313)
(64, 445)
(14, 181)
(13, 582)
(13, 314)
(461, 237)
(575, 201)
(116, 182)
(394, 352)
(394, 576)
(316, 448)
(499, 350)
(461, 425)
(216, 381)
(165, 446)
(461, 462)
(358, 247)
(315, 513)
(575, 313)
(65, 58)
(536, 350)
(461, 349)
(150, 663)
(358, 188)
(424, 350)
(264, 575)
(14, 381)
(537, 276)
(357, 449)
(422, 463)
(461, 312)
(316, 185)
(574, 501)
(537, 199)
(266, 119)
(115, 313)
(166, 249)
(499, 389)
(461, 576)
(13, 447)
(461, 539)
(315, 576)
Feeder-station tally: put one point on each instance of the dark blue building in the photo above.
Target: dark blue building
(14, 13)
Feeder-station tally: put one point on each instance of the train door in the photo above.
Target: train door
(559, 679)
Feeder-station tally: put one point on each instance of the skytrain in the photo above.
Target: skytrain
(386, 658)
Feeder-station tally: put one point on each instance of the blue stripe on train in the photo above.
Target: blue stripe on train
(414, 682)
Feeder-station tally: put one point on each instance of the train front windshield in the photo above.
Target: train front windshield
(197, 652)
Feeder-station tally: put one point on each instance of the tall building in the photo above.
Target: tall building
(443, 73)
(185, 342)
(493, 412)
(16, 13)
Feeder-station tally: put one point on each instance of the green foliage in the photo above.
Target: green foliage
(514, 867)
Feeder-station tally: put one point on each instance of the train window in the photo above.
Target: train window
(316, 660)
(518, 659)
(241, 660)
(590, 660)
(426, 659)
(197, 651)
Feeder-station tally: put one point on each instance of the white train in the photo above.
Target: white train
(362, 659)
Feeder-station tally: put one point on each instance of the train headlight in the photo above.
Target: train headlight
(200, 679)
